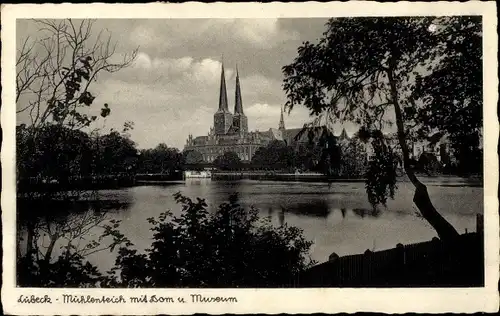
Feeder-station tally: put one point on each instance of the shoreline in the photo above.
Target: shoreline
(116, 183)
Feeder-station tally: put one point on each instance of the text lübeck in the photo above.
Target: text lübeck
(81, 299)
(33, 299)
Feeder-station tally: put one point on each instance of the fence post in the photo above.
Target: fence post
(400, 269)
(479, 223)
(367, 267)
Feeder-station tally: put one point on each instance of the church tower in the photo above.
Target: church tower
(222, 118)
(240, 120)
(281, 127)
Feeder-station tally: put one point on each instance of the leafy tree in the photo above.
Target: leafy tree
(276, 155)
(451, 95)
(58, 154)
(228, 161)
(353, 161)
(114, 154)
(428, 163)
(230, 247)
(307, 156)
(364, 67)
(55, 72)
(325, 147)
(69, 268)
(160, 159)
(192, 157)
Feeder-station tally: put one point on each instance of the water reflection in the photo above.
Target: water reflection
(58, 211)
(281, 217)
(198, 181)
(363, 212)
(320, 209)
(314, 207)
(311, 208)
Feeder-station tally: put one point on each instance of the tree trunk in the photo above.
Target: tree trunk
(50, 249)
(29, 240)
(421, 197)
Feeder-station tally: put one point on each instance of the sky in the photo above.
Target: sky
(172, 88)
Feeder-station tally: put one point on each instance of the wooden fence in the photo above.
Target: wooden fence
(429, 264)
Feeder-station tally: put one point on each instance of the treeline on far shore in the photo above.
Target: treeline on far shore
(56, 157)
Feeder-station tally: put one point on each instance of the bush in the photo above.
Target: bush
(230, 247)
(65, 271)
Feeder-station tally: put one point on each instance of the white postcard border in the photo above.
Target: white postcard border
(431, 300)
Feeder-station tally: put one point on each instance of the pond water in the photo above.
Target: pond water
(336, 217)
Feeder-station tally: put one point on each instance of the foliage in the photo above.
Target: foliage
(66, 157)
(228, 161)
(57, 152)
(452, 95)
(114, 153)
(428, 163)
(230, 247)
(381, 173)
(276, 156)
(37, 268)
(55, 71)
(160, 159)
(61, 153)
(315, 149)
(308, 156)
(363, 67)
(192, 157)
(326, 144)
(353, 159)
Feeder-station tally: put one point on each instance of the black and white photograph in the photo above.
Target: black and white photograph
(249, 152)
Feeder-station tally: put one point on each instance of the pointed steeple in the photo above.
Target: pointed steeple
(344, 135)
(238, 104)
(223, 105)
(282, 121)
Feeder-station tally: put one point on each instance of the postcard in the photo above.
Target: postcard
(249, 158)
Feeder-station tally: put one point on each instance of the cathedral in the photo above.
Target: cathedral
(230, 133)
(230, 130)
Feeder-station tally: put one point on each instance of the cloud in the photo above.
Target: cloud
(142, 61)
(172, 88)
(259, 109)
(205, 71)
(259, 88)
(265, 33)
(171, 65)
(159, 114)
(169, 98)
(143, 35)
(262, 116)
(201, 72)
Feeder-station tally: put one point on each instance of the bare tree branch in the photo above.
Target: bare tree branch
(47, 68)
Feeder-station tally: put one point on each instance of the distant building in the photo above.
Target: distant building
(230, 133)
(440, 149)
(230, 130)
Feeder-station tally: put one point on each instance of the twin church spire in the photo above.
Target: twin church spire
(238, 104)
(225, 122)
(223, 104)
